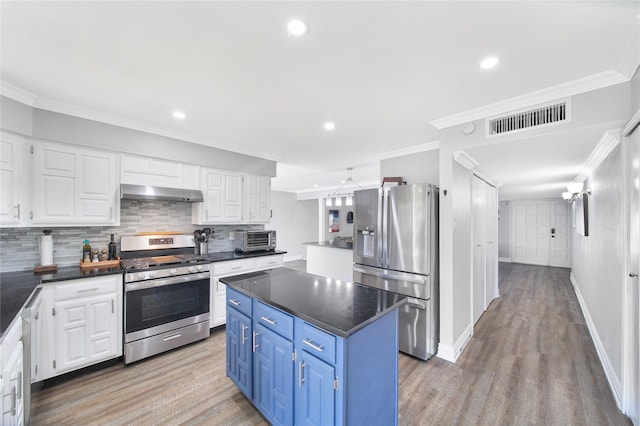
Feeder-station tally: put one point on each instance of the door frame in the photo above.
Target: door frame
(631, 305)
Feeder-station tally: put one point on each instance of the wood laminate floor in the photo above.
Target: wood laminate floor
(531, 361)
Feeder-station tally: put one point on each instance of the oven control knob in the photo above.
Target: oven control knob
(200, 268)
(173, 271)
(192, 269)
(141, 275)
(153, 274)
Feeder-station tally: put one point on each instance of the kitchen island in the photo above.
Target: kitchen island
(310, 349)
(331, 258)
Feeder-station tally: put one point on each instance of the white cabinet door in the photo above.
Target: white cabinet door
(155, 172)
(222, 193)
(257, 199)
(12, 374)
(12, 389)
(13, 185)
(74, 186)
(86, 331)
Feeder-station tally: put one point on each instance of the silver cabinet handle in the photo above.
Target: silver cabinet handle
(236, 267)
(234, 302)
(17, 208)
(310, 343)
(268, 320)
(244, 337)
(173, 336)
(255, 343)
(87, 290)
(113, 310)
(633, 275)
(301, 366)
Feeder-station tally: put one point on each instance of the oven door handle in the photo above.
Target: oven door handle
(161, 282)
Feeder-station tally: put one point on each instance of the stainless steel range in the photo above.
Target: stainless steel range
(166, 294)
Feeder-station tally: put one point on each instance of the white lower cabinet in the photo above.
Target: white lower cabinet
(85, 325)
(218, 293)
(12, 376)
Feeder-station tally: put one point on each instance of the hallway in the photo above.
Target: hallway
(531, 360)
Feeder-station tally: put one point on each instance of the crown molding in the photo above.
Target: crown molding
(630, 60)
(465, 160)
(582, 85)
(18, 94)
(429, 146)
(609, 140)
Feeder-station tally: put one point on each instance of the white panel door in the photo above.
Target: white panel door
(560, 242)
(530, 232)
(12, 163)
(479, 223)
(233, 198)
(540, 232)
(491, 238)
(54, 184)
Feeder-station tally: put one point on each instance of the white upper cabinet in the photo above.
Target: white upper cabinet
(222, 191)
(74, 186)
(257, 204)
(13, 180)
(138, 170)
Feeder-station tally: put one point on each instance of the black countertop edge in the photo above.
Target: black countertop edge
(340, 244)
(285, 277)
(232, 255)
(16, 287)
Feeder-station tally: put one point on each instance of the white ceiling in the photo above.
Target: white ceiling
(382, 71)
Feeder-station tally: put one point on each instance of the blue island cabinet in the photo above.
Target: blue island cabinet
(304, 375)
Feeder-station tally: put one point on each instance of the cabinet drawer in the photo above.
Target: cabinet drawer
(232, 267)
(239, 301)
(274, 319)
(318, 342)
(88, 287)
(273, 261)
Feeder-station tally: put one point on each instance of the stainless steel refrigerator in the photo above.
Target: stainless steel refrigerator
(395, 248)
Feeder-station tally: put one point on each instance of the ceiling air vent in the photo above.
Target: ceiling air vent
(546, 115)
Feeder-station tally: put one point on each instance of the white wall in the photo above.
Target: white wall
(598, 263)
(346, 229)
(421, 167)
(295, 223)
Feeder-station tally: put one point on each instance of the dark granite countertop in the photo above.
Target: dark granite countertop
(16, 287)
(341, 308)
(337, 243)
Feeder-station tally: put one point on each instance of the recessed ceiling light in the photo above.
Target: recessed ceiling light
(329, 126)
(179, 115)
(297, 27)
(489, 62)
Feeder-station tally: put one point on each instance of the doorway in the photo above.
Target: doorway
(540, 232)
(631, 337)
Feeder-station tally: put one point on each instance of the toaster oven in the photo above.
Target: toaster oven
(247, 241)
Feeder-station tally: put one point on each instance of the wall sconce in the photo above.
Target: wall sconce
(574, 191)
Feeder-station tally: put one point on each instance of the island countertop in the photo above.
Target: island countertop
(339, 307)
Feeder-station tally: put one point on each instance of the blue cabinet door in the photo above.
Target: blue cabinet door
(239, 350)
(273, 376)
(315, 393)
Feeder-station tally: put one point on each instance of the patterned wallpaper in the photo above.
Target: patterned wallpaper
(19, 246)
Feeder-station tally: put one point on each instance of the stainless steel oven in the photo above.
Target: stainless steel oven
(166, 294)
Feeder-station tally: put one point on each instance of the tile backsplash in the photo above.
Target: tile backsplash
(19, 246)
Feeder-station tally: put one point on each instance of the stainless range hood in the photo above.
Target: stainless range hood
(144, 192)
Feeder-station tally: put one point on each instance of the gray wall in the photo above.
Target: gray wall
(295, 222)
(346, 229)
(421, 167)
(53, 126)
(598, 260)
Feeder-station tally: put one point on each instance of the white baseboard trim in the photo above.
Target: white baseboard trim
(292, 257)
(614, 381)
(504, 259)
(452, 353)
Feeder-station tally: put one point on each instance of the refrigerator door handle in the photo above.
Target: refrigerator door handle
(391, 276)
